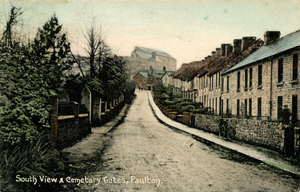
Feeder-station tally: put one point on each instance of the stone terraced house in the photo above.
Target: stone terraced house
(252, 77)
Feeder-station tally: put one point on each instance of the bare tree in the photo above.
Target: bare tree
(7, 36)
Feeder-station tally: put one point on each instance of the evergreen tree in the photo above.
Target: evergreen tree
(33, 77)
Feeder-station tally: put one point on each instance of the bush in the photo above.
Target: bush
(168, 102)
(185, 99)
(184, 103)
(172, 106)
(177, 100)
(164, 96)
(200, 111)
(188, 108)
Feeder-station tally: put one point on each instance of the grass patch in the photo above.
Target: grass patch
(277, 165)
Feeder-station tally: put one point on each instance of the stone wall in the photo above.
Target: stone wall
(269, 134)
(207, 123)
(70, 130)
(261, 133)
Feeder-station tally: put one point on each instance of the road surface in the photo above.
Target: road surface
(144, 155)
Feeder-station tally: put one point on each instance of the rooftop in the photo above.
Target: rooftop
(282, 44)
(146, 53)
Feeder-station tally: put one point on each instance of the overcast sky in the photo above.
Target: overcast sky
(187, 30)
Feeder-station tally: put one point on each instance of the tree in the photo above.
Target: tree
(33, 78)
(106, 71)
(7, 37)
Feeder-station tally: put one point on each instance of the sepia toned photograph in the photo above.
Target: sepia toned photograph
(149, 95)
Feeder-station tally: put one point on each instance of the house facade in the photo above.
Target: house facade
(252, 77)
(267, 80)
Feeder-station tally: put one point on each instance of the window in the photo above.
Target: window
(295, 66)
(279, 107)
(280, 70)
(259, 107)
(294, 107)
(245, 105)
(250, 106)
(227, 83)
(216, 80)
(219, 78)
(212, 106)
(250, 77)
(259, 75)
(238, 81)
(222, 86)
(246, 79)
(212, 82)
(220, 105)
(238, 108)
(216, 105)
(227, 107)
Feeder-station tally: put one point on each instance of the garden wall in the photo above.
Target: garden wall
(70, 130)
(68, 125)
(262, 133)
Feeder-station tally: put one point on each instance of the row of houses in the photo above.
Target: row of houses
(251, 77)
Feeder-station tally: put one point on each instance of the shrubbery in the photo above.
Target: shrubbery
(200, 111)
(177, 103)
(164, 96)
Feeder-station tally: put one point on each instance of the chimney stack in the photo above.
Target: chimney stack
(223, 49)
(228, 50)
(237, 45)
(271, 36)
(246, 42)
(218, 52)
(213, 54)
(207, 59)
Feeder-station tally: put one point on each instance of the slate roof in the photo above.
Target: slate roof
(188, 71)
(226, 62)
(146, 53)
(144, 74)
(280, 45)
(156, 74)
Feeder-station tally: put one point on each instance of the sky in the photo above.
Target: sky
(187, 30)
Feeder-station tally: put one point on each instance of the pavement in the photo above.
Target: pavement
(211, 138)
(91, 146)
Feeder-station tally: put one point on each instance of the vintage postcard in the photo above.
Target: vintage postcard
(158, 95)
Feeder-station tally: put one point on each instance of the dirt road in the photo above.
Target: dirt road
(144, 155)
